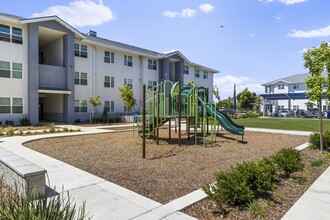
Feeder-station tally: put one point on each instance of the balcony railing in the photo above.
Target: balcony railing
(52, 77)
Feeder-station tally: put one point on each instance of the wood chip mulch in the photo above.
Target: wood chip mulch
(169, 171)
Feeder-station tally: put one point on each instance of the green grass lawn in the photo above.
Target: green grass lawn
(284, 124)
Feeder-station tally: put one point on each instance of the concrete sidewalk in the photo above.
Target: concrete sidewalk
(106, 200)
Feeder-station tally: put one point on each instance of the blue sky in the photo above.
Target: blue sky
(262, 40)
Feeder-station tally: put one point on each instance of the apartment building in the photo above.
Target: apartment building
(287, 93)
(48, 70)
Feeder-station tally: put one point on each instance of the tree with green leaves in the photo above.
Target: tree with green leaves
(215, 91)
(95, 102)
(317, 60)
(127, 97)
(226, 103)
(246, 99)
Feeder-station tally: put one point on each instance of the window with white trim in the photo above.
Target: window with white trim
(151, 84)
(185, 69)
(128, 61)
(4, 105)
(17, 70)
(280, 107)
(80, 50)
(80, 78)
(80, 105)
(109, 81)
(4, 33)
(295, 107)
(109, 106)
(4, 69)
(152, 64)
(128, 82)
(196, 73)
(280, 86)
(17, 35)
(296, 86)
(17, 107)
(109, 57)
(205, 75)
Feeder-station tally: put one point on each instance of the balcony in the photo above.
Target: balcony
(52, 77)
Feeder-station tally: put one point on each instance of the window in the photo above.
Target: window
(109, 57)
(295, 86)
(17, 107)
(324, 108)
(196, 73)
(109, 106)
(80, 78)
(295, 107)
(4, 69)
(185, 69)
(80, 50)
(128, 61)
(280, 107)
(152, 64)
(128, 82)
(280, 86)
(4, 105)
(151, 84)
(17, 36)
(17, 71)
(80, 105)
(205, 75)
(4, 33)
(109, 81)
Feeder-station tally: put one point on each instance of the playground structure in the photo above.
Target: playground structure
(167, 101)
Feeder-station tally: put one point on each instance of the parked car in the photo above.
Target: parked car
(301, 113)
(284, 113)
(314, 113)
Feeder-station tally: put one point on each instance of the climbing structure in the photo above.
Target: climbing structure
(167, 101)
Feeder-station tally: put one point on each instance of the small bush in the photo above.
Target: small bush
(257, 209)
(77, 121)
(299, 179)
(9, 123)
(65, 129)
(251, 114)
(314, 140)
(51, 128)
(317, 162)
(25, 122)
(10, 131)
(117, 119)
(231, 187)
(0, 123)
(288, 160)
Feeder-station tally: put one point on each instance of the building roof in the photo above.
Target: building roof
(297, 78)
(104, 42)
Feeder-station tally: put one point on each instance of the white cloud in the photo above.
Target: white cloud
(206, 8)
(80, 13)
(185, 13)
(287, 2)
(252, 35)
(321, 32)
(226, 84)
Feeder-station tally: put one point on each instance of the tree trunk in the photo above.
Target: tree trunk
(320, 125)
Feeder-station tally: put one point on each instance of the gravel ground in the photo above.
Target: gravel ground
(279, 202)
(169, 171)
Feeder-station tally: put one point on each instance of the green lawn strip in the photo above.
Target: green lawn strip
(284, 124)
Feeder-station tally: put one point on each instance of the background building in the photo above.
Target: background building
(48, 70)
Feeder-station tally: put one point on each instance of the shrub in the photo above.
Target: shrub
(288, 160)
(65, 129)
(57, 208)
(251, 114)
(51, 128)
(317, 162)
(117, 119)
(257, 209)
(77, 121)
(231, 187)
(25, 122)
(0, 123)
(314, 140)
(10, 131)
(9, 123)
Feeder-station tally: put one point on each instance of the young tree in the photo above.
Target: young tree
(127, 96)
(246, 99)
(215, 91)
(317, 60)
(95, 102)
